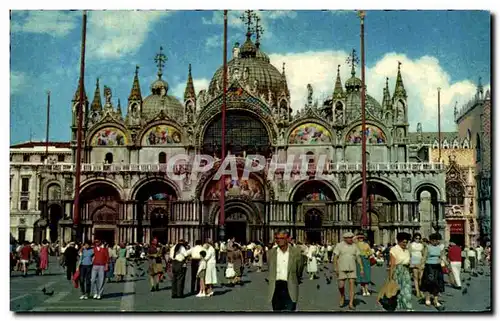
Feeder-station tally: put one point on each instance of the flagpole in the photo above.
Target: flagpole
(439, 124)
(47, 127)
(364, 190)
(222, 182)
(81, 102)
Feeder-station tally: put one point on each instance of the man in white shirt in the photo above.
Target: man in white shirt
(223, 253)
(194, 253)
(329, 251)
(479, 251)
(178, 256)
(284, 264)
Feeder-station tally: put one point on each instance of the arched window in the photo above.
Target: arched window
(478, 148)
(162, 158)
(456, 144)
(446, 145)
(435, 144)
(455, 193)
(109, 158)
(310, 157)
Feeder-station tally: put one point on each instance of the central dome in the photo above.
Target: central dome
(159, 100)
(254, 68)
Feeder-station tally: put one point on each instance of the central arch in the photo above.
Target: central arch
(240, 216)
(313, 222)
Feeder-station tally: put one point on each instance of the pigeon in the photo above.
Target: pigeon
(328, 281)
(317, 286)
(48, 293)
(464, 291)
(267, 281)
(44, 290)
(468, 284)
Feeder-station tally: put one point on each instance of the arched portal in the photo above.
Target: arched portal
(55, 215)
(313, 224)
(153, 207)
(429, 209)
(101, 204)
(381, 208)
(236, 224)
(244, 134)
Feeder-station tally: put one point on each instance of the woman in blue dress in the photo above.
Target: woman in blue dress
(432, 279)
(365, 252)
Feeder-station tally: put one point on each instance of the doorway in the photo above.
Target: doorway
(238, 230)
(160, 234)
(55, 215)
(313, 226)
(105, 235)
(458, 239)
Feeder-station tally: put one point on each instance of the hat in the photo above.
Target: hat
(347, 235)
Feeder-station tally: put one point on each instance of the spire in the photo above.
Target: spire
(76, 97)
(258, 30)
(480, 89)
(96, 103)
(455, 110)
(338, 91)
(284, 83)
(399, 90)
(135, 92)
(189, 92)
(119, 108)
(386, 100)
(353, 60)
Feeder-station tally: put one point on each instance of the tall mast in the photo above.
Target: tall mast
(47, 127)
(364, 190)
(439, 124)
(222, 186)
(81, 102)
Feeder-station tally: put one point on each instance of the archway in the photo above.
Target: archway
(101, 203)
(428, 199)
(55, 215)
(159, 224)
(312, 191)
(313, 224)
(236, 224)
(153, 201)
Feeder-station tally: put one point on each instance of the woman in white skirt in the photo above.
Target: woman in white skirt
(258, 257)
(312, 262)
(211, 271)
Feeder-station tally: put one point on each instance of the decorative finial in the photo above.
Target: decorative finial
(97, 82)
(353, 60)
(399, 65)
(258, 29)
(361, 14)
(247, 19)
(284, 63)
(338, 69)
(136, 71)
(189, 69)
(160, 60)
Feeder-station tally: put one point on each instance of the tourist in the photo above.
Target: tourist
(416, 249)
(312, 262)
(121, 263)
(110, 274)
(155, 265)
(26, 254)
(85, 268)
(211, 272)
(70, 258)
(237, 260)
(364, 253)
(432, 279)
(346, 256)
(194, 253)
(471, 255)
(99, 268)
(479, 251)
(200, 274)
(223, 253)
(329, 251)
(455, 258)
(258, 255)
(178, 256)
(399, 270)
(284, 263)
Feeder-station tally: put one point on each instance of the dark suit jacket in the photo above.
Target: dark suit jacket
(294, 267)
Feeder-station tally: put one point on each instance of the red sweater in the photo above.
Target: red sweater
(101, 256)
(455, 254)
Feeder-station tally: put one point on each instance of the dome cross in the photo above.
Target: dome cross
(353, 61)
(259, 31)
(160, 60)
(247, 19)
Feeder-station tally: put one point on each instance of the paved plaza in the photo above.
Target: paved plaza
(26, 294)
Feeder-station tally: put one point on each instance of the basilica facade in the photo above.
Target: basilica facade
(126, 194)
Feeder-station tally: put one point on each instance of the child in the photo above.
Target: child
(202, 267)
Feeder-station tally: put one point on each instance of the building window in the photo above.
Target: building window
(11, 158)
(60, 158)
(26, 158)
(24, 205)
(455, 193)
(25, 184)
(162, 158)
(21, 235)
(109, 158)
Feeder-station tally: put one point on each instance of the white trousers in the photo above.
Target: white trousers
(455, 269)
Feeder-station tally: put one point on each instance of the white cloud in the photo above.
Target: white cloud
(213, 41)
(55, 23)
(17, 81)
(421, 78)
(113, 34)
(199, 84)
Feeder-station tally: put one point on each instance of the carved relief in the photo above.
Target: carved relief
(406, 184)
(342, 180)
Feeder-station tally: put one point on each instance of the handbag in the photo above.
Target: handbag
(230, 273)
(76, 277)
(373, 260)
(445, 270)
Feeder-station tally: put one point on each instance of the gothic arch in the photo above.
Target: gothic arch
(379, 180)
(252, 212)
(431, 188)
(140, 135)
(330, 184)
(47, 185)
(147, 180)
(93, 182)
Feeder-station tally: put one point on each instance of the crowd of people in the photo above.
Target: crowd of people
(415, 265)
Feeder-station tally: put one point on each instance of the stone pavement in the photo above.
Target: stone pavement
(134, 295)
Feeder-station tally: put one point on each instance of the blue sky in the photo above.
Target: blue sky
(447, 49)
